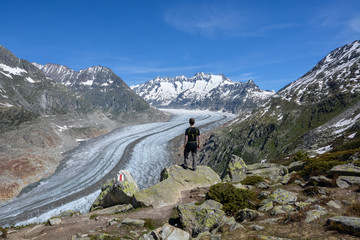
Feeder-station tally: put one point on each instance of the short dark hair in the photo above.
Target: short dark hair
(192, 121)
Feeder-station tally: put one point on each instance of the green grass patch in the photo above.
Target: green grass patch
(252, 180)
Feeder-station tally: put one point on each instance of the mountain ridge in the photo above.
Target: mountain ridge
(314, 114)
(202, 91)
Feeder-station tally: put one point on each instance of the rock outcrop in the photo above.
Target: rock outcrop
(345, 224)
(174, 180)
(116, 192)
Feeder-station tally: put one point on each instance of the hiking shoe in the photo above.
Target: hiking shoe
(185, 167)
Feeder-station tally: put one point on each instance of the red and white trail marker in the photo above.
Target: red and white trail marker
(121, 177)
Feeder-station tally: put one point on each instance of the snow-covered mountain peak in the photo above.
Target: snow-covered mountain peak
(203, 91)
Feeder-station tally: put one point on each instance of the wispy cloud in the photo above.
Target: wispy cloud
(220, 18)
(204, 19)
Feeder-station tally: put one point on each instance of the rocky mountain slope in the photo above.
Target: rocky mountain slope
(41, 118)
(101, 87)
(203, 91)
(316, 113)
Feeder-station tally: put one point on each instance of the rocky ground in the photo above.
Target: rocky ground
(285, 206)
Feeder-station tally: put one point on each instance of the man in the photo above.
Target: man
(191, 143)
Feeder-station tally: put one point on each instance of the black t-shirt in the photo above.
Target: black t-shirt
(192, 133)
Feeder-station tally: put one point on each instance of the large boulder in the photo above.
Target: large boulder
(296, 166)
(345, 170)
(273, 172)
(345, 224)
(115, 192)
(166, 232)
(175, 179)
(202, 218)
(236, 170)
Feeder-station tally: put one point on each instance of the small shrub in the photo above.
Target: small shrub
(357, 163)
(354, 210)
(300, 156)
(252, 180)
(4, 232)
(233, 199)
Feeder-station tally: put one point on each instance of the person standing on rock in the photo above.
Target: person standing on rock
(191, 144)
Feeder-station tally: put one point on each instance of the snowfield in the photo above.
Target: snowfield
(76, 183)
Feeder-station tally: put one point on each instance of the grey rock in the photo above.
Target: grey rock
(247, 214)
(198, 219)
(334, 204)
(271, 238)
(315, 214)
(236, 169)
(281, 196)
(54, 221)
(321, 181)
(133, 222)
(266, 205)
(347, 181)
(168, 232)
(345, 170)
(345, 224)
(274, 172)
(262, 185)
(115, 192)
(175, 179)
(256, 227)
(114, 209)
(264, 194)
(296, 166)
(212, 204)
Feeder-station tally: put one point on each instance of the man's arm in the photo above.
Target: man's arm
(185, 140)
(198, 140)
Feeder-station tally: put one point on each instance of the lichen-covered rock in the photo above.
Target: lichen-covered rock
(347, 181)
(345, 170)
(321, 181)
(262, 237)
(175, 179)
(273, 172)
(296, 166)
(302, 205)
(247, 214)
(168, 232)
(334, 204)
(315, 214)
(345, 224)
(266, 205)
(282, 209)
(114, 209)
(236, 170)
(116, 193)
(283, 197)
(133, 222)
(197, 219)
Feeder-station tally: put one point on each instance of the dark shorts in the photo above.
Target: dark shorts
(191, 147)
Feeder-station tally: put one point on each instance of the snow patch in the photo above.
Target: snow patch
(11, 70)
(6, 104)
(352, 135)
(30, 80)
(323, 149)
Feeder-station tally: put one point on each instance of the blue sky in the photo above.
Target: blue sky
(271, 42)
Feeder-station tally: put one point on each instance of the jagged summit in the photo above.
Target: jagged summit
(202, 91)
